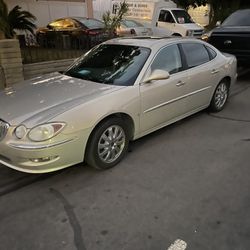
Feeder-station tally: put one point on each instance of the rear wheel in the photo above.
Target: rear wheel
(108, 144)
(220, 96)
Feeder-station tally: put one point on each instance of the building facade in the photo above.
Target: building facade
(48, 10)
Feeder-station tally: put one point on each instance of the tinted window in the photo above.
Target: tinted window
(238, 18)
(57, 24)
(196, 54)
(168, 59)
(110, 64)
(182, 16)
(211, 52)
(62, 24)
(166, 16)
(91, 23)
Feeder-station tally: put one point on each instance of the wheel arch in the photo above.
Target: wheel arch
(125, 117)
(176, 34)
(227, 79)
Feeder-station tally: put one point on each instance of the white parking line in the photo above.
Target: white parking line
(178, 245)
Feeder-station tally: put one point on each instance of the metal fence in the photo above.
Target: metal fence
(55, 46)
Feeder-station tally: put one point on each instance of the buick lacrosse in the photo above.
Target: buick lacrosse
(119, 91)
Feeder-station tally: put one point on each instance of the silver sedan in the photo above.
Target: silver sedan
(119, 91)
(133, 28)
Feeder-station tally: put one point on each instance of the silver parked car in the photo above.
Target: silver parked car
(133, 28)
(119, 91)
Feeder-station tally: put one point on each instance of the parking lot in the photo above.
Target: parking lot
(188, 181)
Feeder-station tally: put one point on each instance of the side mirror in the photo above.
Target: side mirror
(157, 74)
(218, 23)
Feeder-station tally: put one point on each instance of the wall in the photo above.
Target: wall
(11, 68)
(46, 11)
(37, 69)
(100, 7)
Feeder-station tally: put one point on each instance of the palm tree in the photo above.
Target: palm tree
(15, 19)
(112, 22)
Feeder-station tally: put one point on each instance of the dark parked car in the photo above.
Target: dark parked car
(81, 31)
(233, 36)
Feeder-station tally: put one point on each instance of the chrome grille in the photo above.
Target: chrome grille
(3, 129)
(198, 33)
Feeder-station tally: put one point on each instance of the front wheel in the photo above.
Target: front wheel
(220, 97)
(108, 144)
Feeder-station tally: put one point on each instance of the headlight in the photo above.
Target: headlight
(45, 131)
(189, 32)
(20, 131)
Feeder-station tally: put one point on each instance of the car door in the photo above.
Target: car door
(203, 74)
(163, 101)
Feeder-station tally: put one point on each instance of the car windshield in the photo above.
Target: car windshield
(182, 16)
(238, 18)
(110, 64)
(91, 23)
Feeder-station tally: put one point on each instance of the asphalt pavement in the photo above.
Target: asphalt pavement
(185, 186)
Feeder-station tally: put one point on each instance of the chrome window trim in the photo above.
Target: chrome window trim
(4, 129)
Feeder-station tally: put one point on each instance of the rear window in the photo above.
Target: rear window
(91, 23)
(238, 18)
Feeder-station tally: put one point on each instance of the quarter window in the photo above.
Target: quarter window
(211, 52)
(196, 54)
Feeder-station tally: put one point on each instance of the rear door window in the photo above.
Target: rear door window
(195, 53)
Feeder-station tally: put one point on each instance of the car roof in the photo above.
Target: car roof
(149, 42)
(84, 18)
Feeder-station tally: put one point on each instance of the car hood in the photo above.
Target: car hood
(39, 100)
(192, 26)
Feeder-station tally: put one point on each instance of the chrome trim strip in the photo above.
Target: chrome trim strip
(33, 171)
(22, 146)
(175, 100)
(4, 127)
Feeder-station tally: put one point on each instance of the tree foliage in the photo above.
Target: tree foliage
(220, 9)
(15, 19)
(112, 22)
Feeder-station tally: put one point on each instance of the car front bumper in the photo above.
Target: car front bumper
(30, 157)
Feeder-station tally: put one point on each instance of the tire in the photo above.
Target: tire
(220, 97)
(108, 144)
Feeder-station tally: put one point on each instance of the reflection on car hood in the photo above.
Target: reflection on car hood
(40, 99)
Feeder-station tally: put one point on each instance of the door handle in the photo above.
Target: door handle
(180, 83)
(214, 71)
(227, 42)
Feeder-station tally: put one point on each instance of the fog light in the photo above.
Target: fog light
(44, 159)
